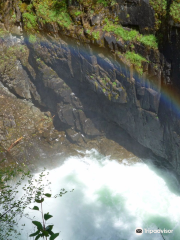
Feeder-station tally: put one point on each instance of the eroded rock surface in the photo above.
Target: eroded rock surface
(79, 80)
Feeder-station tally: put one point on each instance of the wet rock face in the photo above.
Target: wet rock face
(90, 95)
(25, 132)
(88, 92)
(137, 14)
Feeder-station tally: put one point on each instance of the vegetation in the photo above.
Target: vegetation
(44, 231)
(30, 21)
(149, 40)
(32, 38)
(136, 60)
(175, 11)
(120, 31)
(160, 9)
(45, 11)
(132, 35)
(13, 205)
(105, 3)
(96, 35)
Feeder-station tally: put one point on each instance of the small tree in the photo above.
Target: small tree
(44, 231)
(11, 206)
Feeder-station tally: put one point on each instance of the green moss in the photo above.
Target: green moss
(136, 60)
(132, 35)
(159, 7)
(47, 11)
(13, 17)
(175, 11)
(96, 35)
(77, 13)
(32, 38)
(30, 21)
(148, 40)
(29, 7)
(104, 2)
(120, 31)
(56, 12)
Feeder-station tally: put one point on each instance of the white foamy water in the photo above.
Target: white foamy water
(110, 200)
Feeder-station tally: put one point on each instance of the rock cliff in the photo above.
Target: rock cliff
(93, 69)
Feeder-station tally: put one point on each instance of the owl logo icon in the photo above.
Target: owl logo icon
(139, 231)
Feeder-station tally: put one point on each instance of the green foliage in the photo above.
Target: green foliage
(77, 13)
(96, 35)
(104, 2)
(136, 60)
(120, 31)
(159, 7)
(30, 21)
(149, 40)
(43, 230)
(45, 11)
(175, 11)
(12, 207)
(55, 12)
(88, 31)
(132, 35)
(32, 38)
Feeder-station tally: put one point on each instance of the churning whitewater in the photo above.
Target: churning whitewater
(110, 200)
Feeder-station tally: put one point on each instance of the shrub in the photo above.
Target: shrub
(30, 21)
(149, 40)
(175, 11)
(132, 35)
(96, 35)
(136, 60)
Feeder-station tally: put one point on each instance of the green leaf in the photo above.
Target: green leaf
(49, 227)
(47, 195)
(47, 216)
(39, 201)
(38, 236)
(34, 234)
(45, 233)
(55, 235)
(38, 224)
(35, 208)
